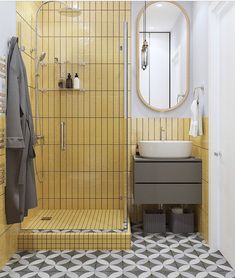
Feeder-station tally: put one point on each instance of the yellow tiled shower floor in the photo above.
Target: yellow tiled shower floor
(63, 219)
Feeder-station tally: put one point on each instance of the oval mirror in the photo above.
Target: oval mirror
(163, 55)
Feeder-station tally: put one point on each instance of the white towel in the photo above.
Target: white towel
(196, 120)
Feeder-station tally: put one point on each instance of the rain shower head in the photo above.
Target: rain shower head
(69, 10)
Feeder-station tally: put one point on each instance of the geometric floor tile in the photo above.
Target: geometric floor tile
(153, 255)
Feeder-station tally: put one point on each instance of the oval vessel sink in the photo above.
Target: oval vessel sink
(165, 149)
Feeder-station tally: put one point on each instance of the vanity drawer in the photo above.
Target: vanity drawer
(168, 172)
(167, 193)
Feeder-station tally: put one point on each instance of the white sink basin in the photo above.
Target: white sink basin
(165, 149)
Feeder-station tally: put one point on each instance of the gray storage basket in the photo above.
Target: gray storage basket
(154, 221)
(182, 223)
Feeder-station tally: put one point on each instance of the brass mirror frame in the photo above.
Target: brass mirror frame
(187, 56)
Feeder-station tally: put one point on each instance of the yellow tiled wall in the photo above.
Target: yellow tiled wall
(200, 149)
(91, 172)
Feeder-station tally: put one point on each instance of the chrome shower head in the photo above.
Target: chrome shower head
(42, 57)
(39, 61)
(70, 10)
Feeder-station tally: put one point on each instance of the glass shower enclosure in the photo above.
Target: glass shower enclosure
(82, 134)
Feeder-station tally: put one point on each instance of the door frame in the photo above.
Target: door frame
(216, 11)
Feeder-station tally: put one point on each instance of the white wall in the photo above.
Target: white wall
(7, 29)
(200, 49)
(7, 24)
(197, 12)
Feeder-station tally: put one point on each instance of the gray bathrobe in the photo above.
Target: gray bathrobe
(20, 139)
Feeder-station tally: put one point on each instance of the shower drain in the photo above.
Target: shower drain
(46, 218)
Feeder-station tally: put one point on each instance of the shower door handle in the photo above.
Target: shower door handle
(62, 136)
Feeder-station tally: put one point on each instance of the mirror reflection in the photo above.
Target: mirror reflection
(163, 55)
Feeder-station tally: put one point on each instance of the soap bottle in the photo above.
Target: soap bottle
(61, 83)
(76, 82)
(69, 82)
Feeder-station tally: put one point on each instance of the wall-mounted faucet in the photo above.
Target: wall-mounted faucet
(163, 134)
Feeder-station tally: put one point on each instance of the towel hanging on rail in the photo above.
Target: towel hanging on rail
(196, 119)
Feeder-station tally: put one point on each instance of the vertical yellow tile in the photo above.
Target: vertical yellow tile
(169, 128)
(157, 127)
(175, 129)
(139, 129)
(180, 129)
(151, 129)
(186, 128)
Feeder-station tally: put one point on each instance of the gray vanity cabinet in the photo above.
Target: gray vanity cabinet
(167, 181)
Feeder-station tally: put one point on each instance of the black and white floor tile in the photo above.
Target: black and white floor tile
(153, 255)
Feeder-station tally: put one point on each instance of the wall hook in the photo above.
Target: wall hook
(201, 88)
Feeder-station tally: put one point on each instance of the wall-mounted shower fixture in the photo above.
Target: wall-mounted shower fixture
(42, 56)
(65, 10)
(40, 61)
(70, 10)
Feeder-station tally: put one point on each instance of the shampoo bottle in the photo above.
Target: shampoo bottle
(76, 82)
(69, 82)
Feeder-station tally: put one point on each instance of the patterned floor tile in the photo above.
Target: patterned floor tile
(230, 274)
(83, 261)
(182, 248)
(164, 264)
(39, 274)
(137, 273)
(109, 261)
(26, 261)
(189, 263)
(57, 261)
(203, 274)
(152, 255)
(215, 262)
(157, 243)
(136, 262)
(166, 274)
